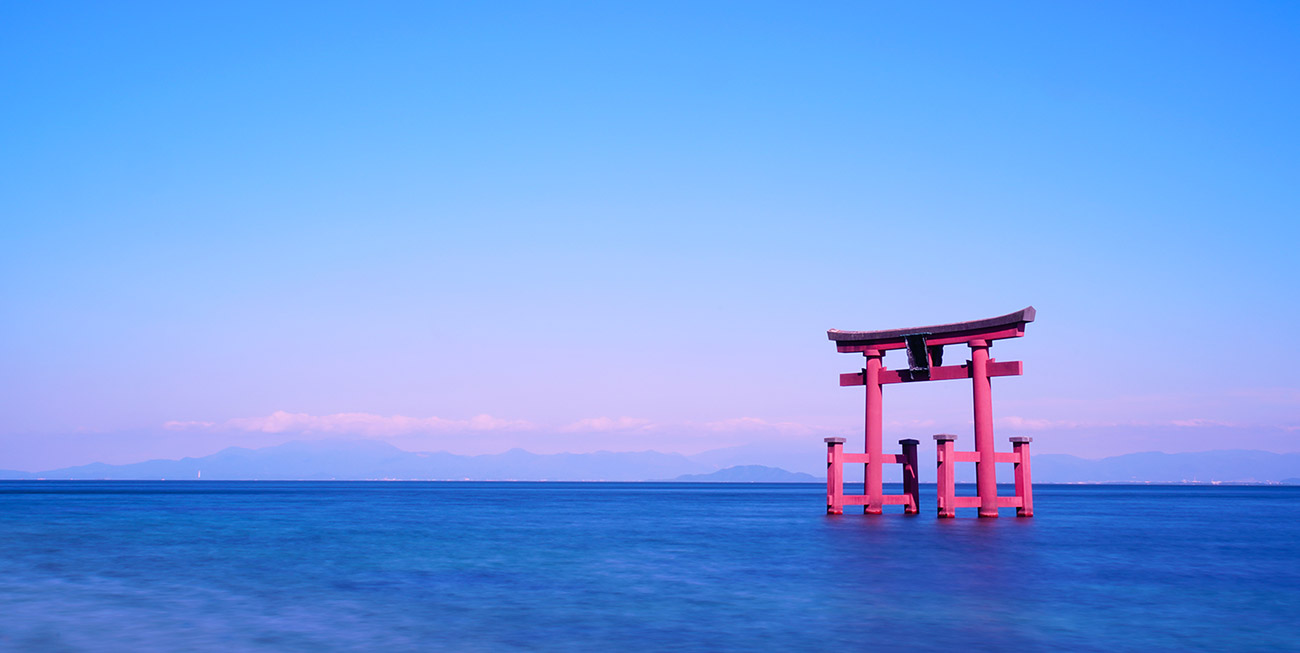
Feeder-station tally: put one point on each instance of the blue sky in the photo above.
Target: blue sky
(575, 227)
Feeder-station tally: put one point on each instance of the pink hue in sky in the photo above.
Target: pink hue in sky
(577, 238)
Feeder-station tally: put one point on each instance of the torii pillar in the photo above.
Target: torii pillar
(924, 347)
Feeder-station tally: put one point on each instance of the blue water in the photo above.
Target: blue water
(304, 566)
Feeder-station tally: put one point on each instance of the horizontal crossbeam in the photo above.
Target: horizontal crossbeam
(886, 500)
(1003, 502)
(888, 458)
(974, 457)
(945, 373)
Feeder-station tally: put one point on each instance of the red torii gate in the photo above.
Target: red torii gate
(924, 347)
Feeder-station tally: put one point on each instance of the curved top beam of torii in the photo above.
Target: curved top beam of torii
(1011, 325)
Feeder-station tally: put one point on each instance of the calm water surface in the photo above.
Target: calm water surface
(88, 566)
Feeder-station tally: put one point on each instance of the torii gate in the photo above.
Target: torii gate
(924, 347)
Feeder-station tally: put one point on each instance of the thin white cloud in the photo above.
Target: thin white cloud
(605, 424)
(757, 424)
(182, 426)
(367, 424)
(1039, 424)
(1198, 422)
(1031, 424)
(912, 423)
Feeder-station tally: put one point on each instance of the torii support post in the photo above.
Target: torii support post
(911, 481)
(1024, 484)
(873, 484)
(834, 476)
(946, 479)
(986, 471)
(836, 499)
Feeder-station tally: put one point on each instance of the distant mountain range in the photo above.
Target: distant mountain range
(1225, 466)
(751, 474)
(368, 459)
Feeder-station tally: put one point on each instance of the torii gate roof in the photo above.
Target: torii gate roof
(1011, 325)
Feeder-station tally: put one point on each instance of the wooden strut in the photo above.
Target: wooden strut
(947, 458)
(946, 373)
(836, 499)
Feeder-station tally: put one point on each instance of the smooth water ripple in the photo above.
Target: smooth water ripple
(322, 566)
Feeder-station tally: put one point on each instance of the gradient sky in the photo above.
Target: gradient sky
(628, 226)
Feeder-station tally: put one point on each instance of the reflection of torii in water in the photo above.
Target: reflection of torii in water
(924, 346)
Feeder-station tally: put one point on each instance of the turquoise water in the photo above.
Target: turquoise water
(320, 566)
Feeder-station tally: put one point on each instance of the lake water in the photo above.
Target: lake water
(308, 566)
